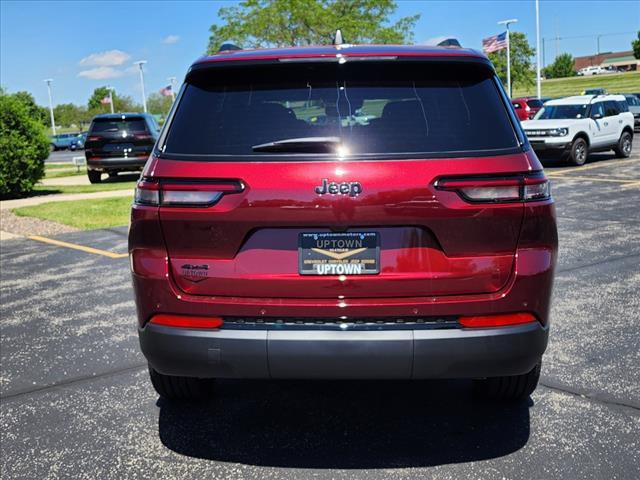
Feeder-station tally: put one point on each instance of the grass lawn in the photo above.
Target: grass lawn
(97, 187)
(82, 214)
(56, 166)
(57, 171)
(558, 87)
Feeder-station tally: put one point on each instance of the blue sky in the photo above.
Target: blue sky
(86, 44)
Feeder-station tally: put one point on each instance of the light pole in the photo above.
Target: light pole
(172, 82)
(111, 98)
(538, 83)
(507, 23)
(53, 122)
(140, 63)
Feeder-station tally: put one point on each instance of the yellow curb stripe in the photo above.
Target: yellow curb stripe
(74, 246)
(589, 167)
(631, 185)
(598, 179)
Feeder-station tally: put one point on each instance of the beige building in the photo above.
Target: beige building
(622, 60)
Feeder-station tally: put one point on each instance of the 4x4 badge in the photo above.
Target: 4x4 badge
(353, 189)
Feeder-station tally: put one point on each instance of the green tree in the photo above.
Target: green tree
(279, 23)
(562, 66)
(68, 114)
(635, 45)
(158, 104)
(38, 113)
(121, 103)
(23, 147)
(95, 100)
(522, 71)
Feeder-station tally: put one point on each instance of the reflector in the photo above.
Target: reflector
(183, 321)
(485, 321)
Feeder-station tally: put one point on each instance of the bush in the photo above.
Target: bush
(24, 146)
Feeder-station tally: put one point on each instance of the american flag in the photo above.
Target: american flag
(166, 91)
(495, 43)
(106, 100)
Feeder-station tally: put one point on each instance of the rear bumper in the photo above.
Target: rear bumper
(388, 354)
(116, 163)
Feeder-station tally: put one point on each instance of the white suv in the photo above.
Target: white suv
(574, 126)
(596, 70)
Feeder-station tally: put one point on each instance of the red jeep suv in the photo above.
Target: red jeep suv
(343, 212)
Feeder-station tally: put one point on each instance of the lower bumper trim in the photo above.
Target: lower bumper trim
(305, 354)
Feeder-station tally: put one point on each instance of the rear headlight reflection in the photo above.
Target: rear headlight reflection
(513, 188)
(170, 193)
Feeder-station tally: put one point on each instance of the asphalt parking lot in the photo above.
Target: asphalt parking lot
(64, 156)
(76, 400)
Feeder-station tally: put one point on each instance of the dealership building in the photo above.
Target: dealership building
(621, 60)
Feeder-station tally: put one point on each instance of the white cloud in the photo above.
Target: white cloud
(171, 39)
(106, 59)
(101, 73)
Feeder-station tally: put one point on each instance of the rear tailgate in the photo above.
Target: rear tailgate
(392, 127)
(431, 241)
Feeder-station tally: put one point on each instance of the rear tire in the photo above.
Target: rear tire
(94, 176)
(579, 152)
(625, 144)
(508, 389)
(181, 388)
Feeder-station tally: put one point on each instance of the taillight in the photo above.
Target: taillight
(185, 321)
(488, 321)
(171, 193)
(516, 188)
(142, 136)
(93, 138)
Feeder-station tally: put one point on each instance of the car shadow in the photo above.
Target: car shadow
(345, 425)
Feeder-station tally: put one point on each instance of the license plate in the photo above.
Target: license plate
(353, 253)
(118, 147)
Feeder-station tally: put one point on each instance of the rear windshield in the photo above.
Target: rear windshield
(108, 125)
(534, 103)
(368, 109)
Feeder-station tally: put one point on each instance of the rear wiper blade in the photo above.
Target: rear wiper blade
(302, 145)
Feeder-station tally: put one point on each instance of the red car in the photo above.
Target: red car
(526, 107)
(408, 234)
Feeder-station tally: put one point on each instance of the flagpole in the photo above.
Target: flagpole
(507, 23)
(111, 99)
(172, 82)
(538, 85)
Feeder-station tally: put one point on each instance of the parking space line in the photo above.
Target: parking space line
(75, 246)
(607, 163)
(625, 183)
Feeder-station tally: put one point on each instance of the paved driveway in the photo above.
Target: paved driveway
(76, 401)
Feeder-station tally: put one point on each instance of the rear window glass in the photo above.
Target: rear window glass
(108, 125)
(369, 109)
(534, 103)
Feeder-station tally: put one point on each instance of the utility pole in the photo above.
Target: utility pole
(507, 23)
(538, 83)
(172, 82)
(140, 63)
(53, 122)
